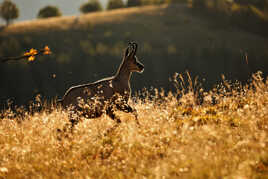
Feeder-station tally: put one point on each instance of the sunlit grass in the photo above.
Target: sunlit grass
(224, 136)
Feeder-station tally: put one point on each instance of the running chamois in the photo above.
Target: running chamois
(108, 94)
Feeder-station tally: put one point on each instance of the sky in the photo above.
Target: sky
(30, 8)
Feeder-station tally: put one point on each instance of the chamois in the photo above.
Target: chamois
(108, 94)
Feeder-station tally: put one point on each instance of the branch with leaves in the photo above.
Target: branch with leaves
(30, 55)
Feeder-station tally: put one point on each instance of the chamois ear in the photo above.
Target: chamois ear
(133, 47)
(127, 52)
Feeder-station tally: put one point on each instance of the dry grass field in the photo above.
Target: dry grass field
(224, 137)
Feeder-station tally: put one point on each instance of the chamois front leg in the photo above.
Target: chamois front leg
(111, 114)
(127, 108)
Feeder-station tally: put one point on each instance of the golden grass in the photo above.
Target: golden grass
(177, 138)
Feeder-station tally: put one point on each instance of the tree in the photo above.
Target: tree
(132, 3)
(115, 4)
(154, 2)
(199, 4)
(49, 11)
(90, 6)
(176, 1)
(8, 11)
(258, 3)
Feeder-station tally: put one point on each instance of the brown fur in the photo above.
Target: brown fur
(106, 95)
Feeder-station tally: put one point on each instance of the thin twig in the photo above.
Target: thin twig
(44, 51)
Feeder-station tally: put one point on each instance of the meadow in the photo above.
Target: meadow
(224, 136)
(206, 127)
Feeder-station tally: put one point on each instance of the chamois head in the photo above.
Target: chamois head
(130, 59)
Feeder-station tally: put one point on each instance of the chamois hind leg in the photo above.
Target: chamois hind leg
(73, 116)
(73, 121)
(67, 129)
(111, 114)
(136, 116)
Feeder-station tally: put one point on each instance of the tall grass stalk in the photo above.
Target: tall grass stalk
(225, 136)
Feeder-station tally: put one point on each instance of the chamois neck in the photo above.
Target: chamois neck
(123, 73)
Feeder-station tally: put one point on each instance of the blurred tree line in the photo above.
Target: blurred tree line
(8, 11)
(173, 40)
(91, 52)
(251, 15)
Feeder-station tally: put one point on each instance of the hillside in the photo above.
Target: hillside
(171, 38)
(68, 22)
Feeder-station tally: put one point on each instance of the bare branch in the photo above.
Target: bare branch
(28, 55)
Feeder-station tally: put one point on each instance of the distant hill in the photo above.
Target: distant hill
(171, 38)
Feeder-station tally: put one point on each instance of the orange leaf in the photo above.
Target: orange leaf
(31, 58)
(26, 54)
(46, 50)
(33, 52)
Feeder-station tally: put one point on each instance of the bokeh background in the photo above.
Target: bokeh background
(208, 38)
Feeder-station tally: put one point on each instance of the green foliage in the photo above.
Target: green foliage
(91, 51)
(115, 4)
(10, 46)
(176, 1)
(262, 4)
(90, 6)
(248, 2)
(251, 15)
(8, 11)
(49, 11)
(153, 2)
(198, 3)
(132, 3)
